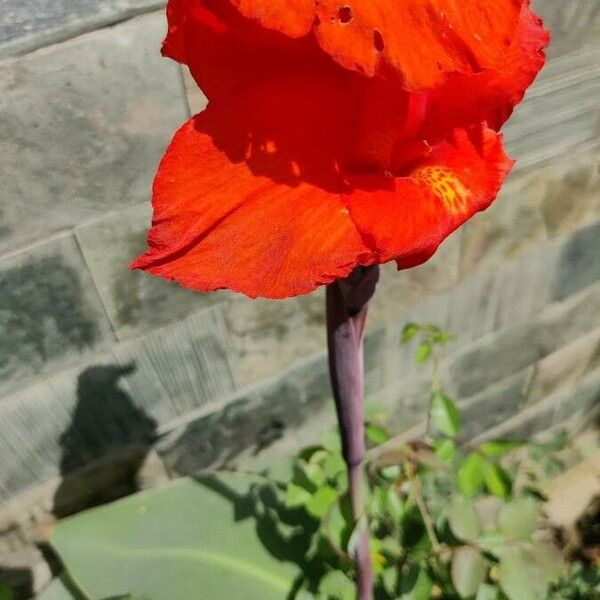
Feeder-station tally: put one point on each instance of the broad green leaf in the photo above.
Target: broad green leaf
(321, 501)
(516, 578)
(487, 592)
(171, 543)
(499, 448)
(409, 332)
(471, 475)
(296, 496)
(444, 414)
(337, 586)
(376, 434)
(464, 520)
(423, 352)
(498, 481)
(468, 571)
(517, 519)
(415, 584)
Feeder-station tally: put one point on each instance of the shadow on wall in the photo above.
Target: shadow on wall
(105, 444)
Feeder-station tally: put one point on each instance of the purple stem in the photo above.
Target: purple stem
(347, 302)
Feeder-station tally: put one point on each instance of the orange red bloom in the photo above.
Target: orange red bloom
(336, 135)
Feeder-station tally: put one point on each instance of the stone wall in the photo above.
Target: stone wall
(104, 371)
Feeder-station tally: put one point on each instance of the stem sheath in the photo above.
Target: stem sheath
(347, 302)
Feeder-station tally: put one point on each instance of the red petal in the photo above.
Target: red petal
(407, 218)
(490, 96)
(421, 40)
(247, 196)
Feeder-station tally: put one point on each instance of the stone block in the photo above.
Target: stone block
(567, 408)
(27, 24)
(565, 367)
(572, 24)
(495, 405)
(271, 335)
(110, 408)
(135, 301)
(512, 349)
(250, 420)
(82, 127)
(50, 312)
(179, 369)
(579, 265)
(560, 112)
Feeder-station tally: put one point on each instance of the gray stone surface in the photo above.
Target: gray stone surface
(29, 24)
(134, 301)
(579, 262)
(251, 420)
(565, 367)
(495, 405)
(103, 406)
(82, 128)
(573, 23)
(496, 356)
(560, 112)
(50, 313)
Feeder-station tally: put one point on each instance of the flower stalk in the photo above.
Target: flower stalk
(347, 304)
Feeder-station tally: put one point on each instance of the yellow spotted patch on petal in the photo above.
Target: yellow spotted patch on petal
(446, 185)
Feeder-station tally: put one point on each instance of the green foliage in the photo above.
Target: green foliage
(5, 592)
(432, 533)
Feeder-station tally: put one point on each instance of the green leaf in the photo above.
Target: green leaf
(499, 448)
(444, 415)
(446, 450)
(549, 561)
(517, 520)
(334, 465)
(487, 592)
(390, 580)
(331, 441)
(191, 535)
(5, 592)
(464, 520)
(376, 434)
(498, 481)
(409, 332)
(415, 584)
(338, 586)
(471, 475)
(321, 501)
(314, 473)
(423, 352)
(296, 496)
(516, 578)
(468, 571)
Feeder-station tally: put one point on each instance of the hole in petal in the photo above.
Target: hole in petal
(378, 41)
(345, 14)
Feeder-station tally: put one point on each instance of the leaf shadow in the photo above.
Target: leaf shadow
(286, 534)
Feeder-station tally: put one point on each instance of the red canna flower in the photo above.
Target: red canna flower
(336, 135)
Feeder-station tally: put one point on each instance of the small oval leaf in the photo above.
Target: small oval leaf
(468, 571)
(464, 520)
